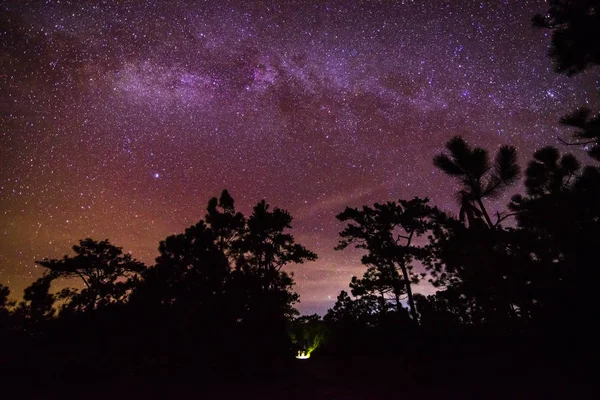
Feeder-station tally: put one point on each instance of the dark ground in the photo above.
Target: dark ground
(323, 377)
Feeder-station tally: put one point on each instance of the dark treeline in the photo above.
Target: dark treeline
(514, 298)
(514, 308)
(216, 300)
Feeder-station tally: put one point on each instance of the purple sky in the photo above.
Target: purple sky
(121, 121)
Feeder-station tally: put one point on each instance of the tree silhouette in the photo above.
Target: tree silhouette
(587, 130)
(7, 327)
(351, 313)
(38, 302)
(190, 268)
(193, 269)
(107, 273)
(550, 182)
(443, 310)
(562, 241)
(575, 29)
(4, 293)
(5, 303)
(387, 231)
(266, 246)
(478, 263)
(223, 280)
(550, 173)
(382, 284)
(575, 47)
(478, 177)
(226, 224)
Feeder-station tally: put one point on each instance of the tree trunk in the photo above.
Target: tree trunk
(381, 304)
(485, 214)
(411, 302)
(398, 304)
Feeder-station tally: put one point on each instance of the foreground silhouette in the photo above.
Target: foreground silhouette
(575, 47)
(217, 307)
(515, 303)
(216, 303)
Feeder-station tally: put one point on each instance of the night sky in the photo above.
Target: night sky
(120, 121)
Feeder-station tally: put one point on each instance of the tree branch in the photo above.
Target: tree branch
(576, 143)
(409, 238)
(500, 219)
(83, 279)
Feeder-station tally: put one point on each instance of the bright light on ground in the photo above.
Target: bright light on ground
(302, 355)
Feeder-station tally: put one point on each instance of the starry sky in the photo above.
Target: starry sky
(120, 120)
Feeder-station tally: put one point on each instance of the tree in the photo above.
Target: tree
(7, 328)
(222, 279)
(575, 27)
(479, 179)
(265, 247)
(387, 231)
(587, 130)
(575, 47)
(38, 302)
(203, 257)
(350, 312)
(549, 173)
(193, 269)
(5, 304)
(442, 310)
(555, 182)
(4, 293)
(107, 273)
(476, 267)
(561, 213)
(190, 269)
(381, 284)
(225, 223)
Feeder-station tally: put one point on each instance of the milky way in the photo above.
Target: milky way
(120, 121)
